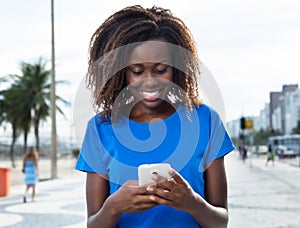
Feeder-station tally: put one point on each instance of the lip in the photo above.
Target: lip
(151, 95)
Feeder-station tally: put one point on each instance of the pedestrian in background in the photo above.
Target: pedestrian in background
(245, 151)
(270, 156)
(30, 170)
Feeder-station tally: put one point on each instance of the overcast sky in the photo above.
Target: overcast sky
(250, 47)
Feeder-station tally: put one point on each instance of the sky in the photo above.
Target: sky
(250, 47)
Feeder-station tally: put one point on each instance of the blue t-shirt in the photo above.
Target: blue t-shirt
(187, 140)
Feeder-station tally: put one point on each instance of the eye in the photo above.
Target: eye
(161, 69)
(137, 70)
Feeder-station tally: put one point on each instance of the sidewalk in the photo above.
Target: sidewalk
(59, 202)
(65, 167)
(286, 170)
(262, 196)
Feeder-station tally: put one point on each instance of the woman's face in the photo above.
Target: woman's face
(149, 73)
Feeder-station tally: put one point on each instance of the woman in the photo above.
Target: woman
(143, 70)
(30, 169)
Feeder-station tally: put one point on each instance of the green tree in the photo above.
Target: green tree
(296, 130)
(15, 110)
(261, 137)
(27, 101)
(35, 84)
(11, 114)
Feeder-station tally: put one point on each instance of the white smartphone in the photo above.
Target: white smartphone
(145, 172)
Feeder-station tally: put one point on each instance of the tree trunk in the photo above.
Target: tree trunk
(25, 142)
(12, 151)
(36, 132)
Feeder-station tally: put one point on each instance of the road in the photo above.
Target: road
(262, 196)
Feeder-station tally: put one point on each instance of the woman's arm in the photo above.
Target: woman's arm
(214, 211)
(97, 191)
(104, 210)
(211, 212)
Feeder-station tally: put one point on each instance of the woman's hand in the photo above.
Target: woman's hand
(130, 198)
(175, 192)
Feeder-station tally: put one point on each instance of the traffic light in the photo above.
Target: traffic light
(249, 124)
(246, 123)
(243, 124)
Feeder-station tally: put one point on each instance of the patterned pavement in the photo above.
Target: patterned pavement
(59, 203)
(259, 196)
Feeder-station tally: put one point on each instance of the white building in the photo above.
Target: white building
(263, 121)
(290, 110)
(276, 119)
(233, 128)
(285, 115)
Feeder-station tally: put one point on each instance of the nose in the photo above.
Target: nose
(149, 78)
(148, 74)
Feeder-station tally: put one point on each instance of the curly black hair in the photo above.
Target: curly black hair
(128, 26)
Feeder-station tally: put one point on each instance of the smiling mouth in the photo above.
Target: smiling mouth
(150, 95)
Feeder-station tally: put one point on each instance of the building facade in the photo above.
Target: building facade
(281, 114)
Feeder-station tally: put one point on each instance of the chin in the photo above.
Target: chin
(152, 104)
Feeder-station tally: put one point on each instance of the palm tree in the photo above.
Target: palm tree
(27, 101)
(35, 83)
(11, 113)
(36, 86)
(15, 94)
(25, 118)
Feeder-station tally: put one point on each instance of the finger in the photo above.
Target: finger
(158, 178)
(140, 190)
(165, 194)
(133, 186)
(141, 208)
(160, 192)
(142, 205)
(163, 183)
(178, 178)
(159, 200)
(143, 200)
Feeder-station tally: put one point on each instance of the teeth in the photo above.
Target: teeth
(150, 94)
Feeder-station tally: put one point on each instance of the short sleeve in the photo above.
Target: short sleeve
(219, 143)
(91, 153)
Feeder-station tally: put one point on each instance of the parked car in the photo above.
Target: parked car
(285, 152)
(258, 149)
(262, 149)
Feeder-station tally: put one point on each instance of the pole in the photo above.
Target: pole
(53, 102)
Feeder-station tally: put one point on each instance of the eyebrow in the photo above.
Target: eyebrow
(165, 62)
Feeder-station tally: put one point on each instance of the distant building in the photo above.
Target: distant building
(281, 114)
(234, 128)
(275, 99)
(263, 120)
(286, 116)
(276, 119)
